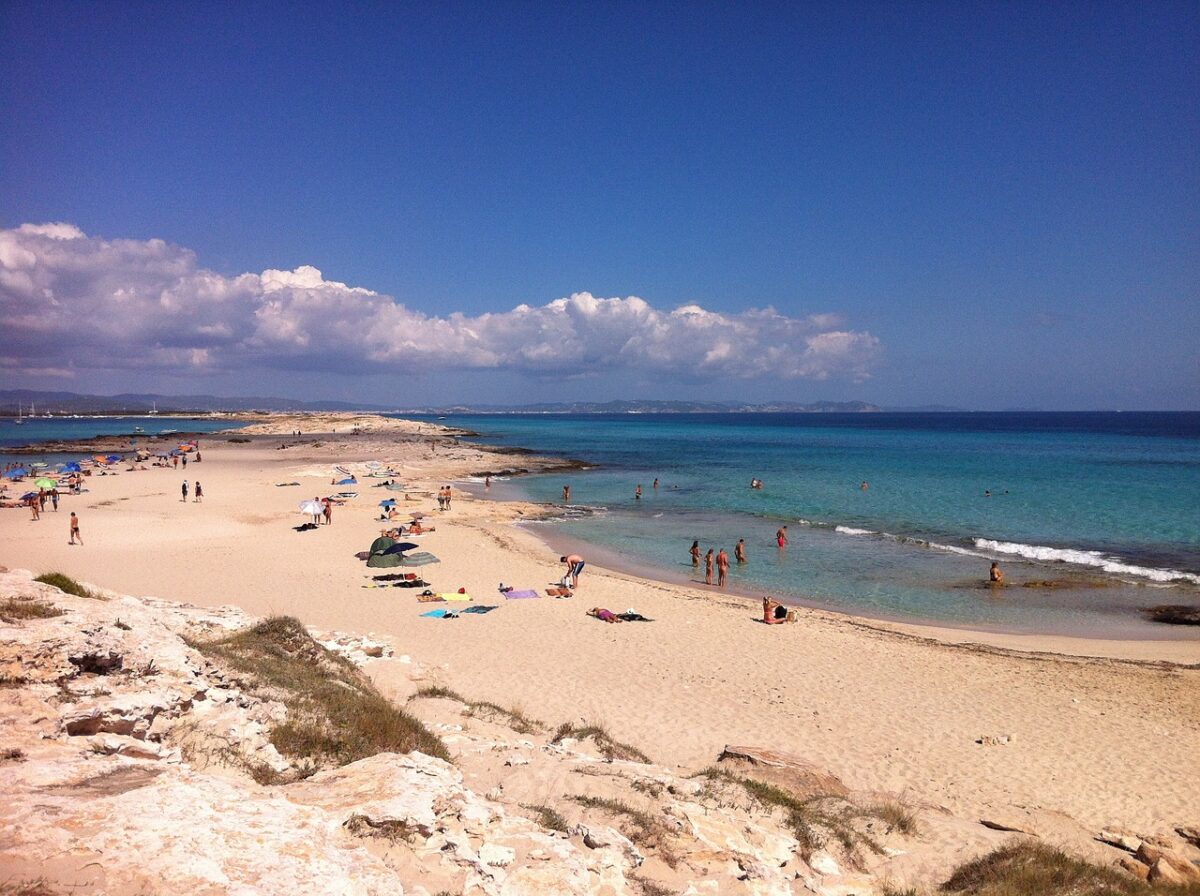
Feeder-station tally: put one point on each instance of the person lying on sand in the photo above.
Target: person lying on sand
(603, 614)
(775, 613)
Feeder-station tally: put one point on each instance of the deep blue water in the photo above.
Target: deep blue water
(1106, 502)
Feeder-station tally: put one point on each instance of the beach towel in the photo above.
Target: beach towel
(559, 592)
(395, 576)
(479, 609)
(430, 599)
(454, 595)
(285, 484)
(630, 616)
(518, 595)
(441, 614)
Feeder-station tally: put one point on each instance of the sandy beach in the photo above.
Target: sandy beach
(1105, 731)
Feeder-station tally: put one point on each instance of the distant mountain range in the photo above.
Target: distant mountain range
(57, 403)
(136, 403)
(642, 406)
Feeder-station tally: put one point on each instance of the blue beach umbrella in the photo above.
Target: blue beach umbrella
(400, 547)
(28, 495)
(388, 503)
(113, 458)
(16, 473)
(73, 467)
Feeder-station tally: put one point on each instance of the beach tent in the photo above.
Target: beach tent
(379, 558)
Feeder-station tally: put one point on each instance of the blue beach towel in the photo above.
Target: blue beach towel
(441, 614)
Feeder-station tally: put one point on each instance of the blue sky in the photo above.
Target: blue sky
(988, 206)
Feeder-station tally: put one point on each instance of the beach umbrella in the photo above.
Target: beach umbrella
(72, 467)
(46, 483)
(16, 473)
(113, 458)
(388, 503)
(28, 496)
(399, 547)
(311, 507)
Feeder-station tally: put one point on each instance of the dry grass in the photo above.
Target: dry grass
(644, 829)
(12, 755)
(14, 608)
(38, 887)
(1028, 867)
(514, 718)
(609, 747)
(335, 716)
(813, 820)
(548, 817)
(67, 585)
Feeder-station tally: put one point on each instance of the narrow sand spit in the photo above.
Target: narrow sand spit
(1109, 740)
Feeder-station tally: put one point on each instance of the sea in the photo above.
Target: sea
(1092, 516)
(34, 430)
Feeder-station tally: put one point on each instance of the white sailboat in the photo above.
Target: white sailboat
(19, 419)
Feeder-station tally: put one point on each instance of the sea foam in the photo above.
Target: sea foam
(1077, 557)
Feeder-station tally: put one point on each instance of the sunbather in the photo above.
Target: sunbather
(603, 614)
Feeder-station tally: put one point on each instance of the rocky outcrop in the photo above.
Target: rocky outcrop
(128, 764)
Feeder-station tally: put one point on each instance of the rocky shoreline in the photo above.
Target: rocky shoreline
(128, 766)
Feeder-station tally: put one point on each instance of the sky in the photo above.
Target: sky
(987, 206)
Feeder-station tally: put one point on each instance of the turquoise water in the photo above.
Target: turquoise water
(45, 429)
(1104, 505)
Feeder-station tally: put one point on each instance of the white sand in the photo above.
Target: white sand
(897, 708)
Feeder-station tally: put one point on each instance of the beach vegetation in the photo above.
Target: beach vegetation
(548, 817)
(642, 828)
(514, 718)
(14, 608)
(1028, 867)
(394, 829)
(67, 585)
(610, 748)
(814, 820)
(335, 716)
(37, 887)
(650, 888)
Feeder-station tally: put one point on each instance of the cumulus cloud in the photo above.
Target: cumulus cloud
(73, 302)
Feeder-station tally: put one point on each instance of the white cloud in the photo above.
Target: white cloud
(73, 302)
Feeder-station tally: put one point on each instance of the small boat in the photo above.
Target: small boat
(138, 429)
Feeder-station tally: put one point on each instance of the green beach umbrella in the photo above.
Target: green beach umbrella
(46, 483)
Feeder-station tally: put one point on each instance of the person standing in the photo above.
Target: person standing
(185, 461)
(781, 538)
(708, 567)
(184, 490)
(656, 483)
(328, 511)
(739, 551)
(722, 568)
(199, 492)
(449, 496)
(695, 552)
(637, 493)
(33, 506)
(566, 494)
(75, 529)
(54, 498)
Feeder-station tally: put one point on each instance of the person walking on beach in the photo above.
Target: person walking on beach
(722, 568)
(695, 552)
(566, 494)
(328, 511)
(185, 461)
(33, 506)
(176, 460)
(708, 567)
(781, 537)
(199, 492)
(184, 490)
(449, 495)
(575, 565)
(739, 551)
(54, 498)
(41, 499)
(75, 529)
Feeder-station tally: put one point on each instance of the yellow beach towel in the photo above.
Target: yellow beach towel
(454, 595)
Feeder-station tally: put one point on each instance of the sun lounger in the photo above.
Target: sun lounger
(518, 595)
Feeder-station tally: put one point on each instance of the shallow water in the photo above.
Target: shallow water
(1103, 505)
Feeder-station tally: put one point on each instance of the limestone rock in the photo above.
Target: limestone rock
(1134, 867)
(1127, 842)
(787, 770)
